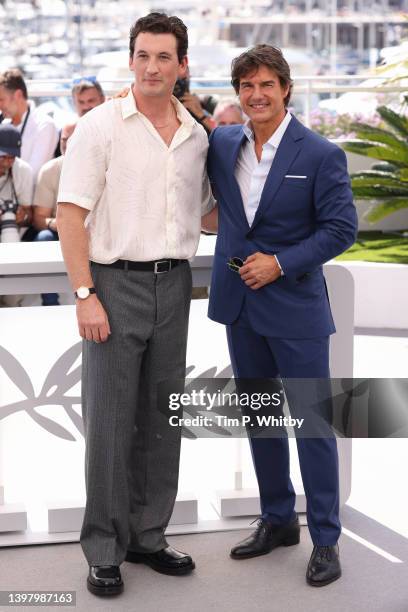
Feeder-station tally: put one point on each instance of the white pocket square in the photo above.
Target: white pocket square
(297, 176)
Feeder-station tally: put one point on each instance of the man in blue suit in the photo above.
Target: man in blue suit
(284, 208)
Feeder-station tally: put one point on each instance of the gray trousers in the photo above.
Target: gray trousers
(131, 452)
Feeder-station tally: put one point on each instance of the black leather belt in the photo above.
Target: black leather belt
(158, 267)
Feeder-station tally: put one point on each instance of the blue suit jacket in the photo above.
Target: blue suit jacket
(305, 222)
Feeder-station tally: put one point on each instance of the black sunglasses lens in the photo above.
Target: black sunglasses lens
(237, 261)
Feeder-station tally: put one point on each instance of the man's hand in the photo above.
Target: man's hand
(122, 93)
(193, 104)
(259, 270)
(93, 321)
(23, 215)
(52, 225)
(209, 222)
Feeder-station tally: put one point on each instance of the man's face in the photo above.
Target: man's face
(229, 116)
(155, 64)
(87, 100)
(261, 96)
(8, 102)
(6, 161)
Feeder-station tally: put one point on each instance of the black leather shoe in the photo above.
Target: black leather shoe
(166, 561)
(324, 565)
(104, 580)
(265, 538)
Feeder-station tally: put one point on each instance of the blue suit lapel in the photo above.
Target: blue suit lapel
(288, 149)
(237, 143)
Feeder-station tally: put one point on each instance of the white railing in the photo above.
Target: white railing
(305, 86)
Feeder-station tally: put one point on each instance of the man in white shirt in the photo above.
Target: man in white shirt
(39, 134)
(134, 174)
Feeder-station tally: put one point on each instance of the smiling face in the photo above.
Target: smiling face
(155, 64)
(262, 97)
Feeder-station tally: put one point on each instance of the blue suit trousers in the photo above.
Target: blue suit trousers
(256, 356)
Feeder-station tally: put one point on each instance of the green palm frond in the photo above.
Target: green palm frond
(386, 184)
(379, 179)
(384, 173)
(371, 192)
(383, 209)
(384, 167)
(403, 174)
(377, 151)
(397, 121)
(375, 134)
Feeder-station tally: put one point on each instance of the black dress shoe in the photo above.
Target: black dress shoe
(166, 561)
(265, 538)
(104, 580)
(324, 565)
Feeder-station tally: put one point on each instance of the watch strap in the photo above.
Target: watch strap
(90, 289)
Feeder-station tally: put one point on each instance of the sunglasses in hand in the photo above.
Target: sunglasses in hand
(235, 263)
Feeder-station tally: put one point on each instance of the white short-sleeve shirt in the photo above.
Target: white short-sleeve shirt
(145, 199)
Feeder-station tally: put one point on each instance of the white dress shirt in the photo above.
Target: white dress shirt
(145, 199)
(39, 139)
(251, 174)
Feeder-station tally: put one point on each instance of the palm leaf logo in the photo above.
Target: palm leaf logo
(55, 391)
(60, 379)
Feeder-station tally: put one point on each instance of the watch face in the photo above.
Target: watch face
(83, 292)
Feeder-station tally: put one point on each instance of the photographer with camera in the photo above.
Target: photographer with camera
(200, 109)
(16, 188)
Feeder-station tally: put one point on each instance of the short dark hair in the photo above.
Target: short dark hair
(160, 23)
(12, 80)
(262, 55)
(85, 84)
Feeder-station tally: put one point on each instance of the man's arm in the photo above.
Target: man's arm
(336, 221)
(45, 198)
(209, 222)
(43, 219)
(93, 321)
(336, 228)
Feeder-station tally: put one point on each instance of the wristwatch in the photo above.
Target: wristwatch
(83, 292)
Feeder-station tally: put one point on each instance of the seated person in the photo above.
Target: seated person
(200, 108)
(16, 187)
(45, 202)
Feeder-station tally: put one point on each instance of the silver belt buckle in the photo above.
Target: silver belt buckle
(162, 261)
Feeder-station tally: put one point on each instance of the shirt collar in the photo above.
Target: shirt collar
(275, 139)
(129, 108)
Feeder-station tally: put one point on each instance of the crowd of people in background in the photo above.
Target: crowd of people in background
(32, 150)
